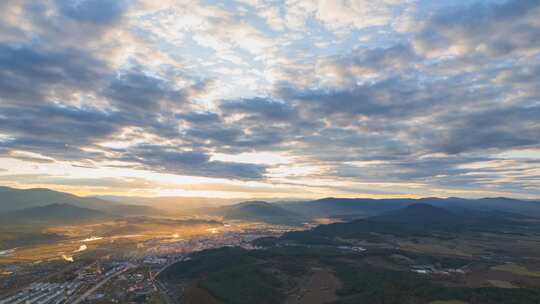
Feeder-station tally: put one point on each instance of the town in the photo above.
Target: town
(114, 279)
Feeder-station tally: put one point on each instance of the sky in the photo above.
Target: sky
(271, 98)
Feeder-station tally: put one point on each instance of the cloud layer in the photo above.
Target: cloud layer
(432, 99)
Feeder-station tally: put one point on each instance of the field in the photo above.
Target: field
(319, 288)
(502, 284)
(197, 295)
(516, 269)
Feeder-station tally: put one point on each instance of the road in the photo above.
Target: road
(98, 285)
(163, 290)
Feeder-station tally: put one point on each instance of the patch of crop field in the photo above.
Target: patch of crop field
(156, 298)
(516, 269)
(319, 288)
(197, 295)
(433, 247)
(482, 275)
(383, 262)
(502, 284)
(513, 245)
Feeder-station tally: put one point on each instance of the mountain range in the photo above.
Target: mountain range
(27, 203)
(347, 208)
(42, 205)
(62, 213)
(416, 220)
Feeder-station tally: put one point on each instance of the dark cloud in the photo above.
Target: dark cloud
(494, 29)
(261, 108)
(136, 90)
(393, 96)
(67, 131)
(168, 159)
(71, 125)
(407, 168)
(371, 62)
(93, 11)
(62, 135)
(501, 128)
(216, 134)
(199, 117)
(28, 73)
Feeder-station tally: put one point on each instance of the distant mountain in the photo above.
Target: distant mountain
(415, 220)
(344, 207)
(54, 213)
(12, 199)
(259, 211)
(524, 207)
(171, 203)
(355, 208)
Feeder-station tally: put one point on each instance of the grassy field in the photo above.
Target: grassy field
(516, 269)
(319, 288)
(197, 295)
(433, 247)
(502, 284)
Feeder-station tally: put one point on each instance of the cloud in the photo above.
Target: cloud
(93, 11)
(109, 183)
(261, 108)
(136, 90)
(493, 29)
(168, 159)
(337, 15)
(342, 87)
(502, 128)
(355, 13)
(64, 132)
(200, 117)
(29, 74)
(367, 64)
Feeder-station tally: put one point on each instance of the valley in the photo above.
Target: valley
(425, 251)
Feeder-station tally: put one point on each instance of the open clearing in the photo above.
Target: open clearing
(197, 295)
(516, 269)
(319, 289)
(502, 284)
